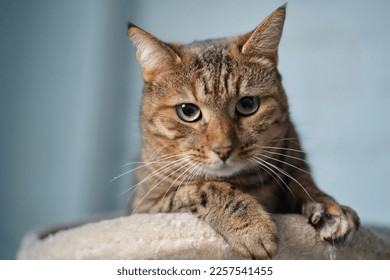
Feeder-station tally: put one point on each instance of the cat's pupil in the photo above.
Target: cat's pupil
(188, 109)
(247, 103)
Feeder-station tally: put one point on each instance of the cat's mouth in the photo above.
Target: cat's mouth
(223, 170)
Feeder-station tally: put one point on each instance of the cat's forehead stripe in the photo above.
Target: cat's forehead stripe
(216, 75)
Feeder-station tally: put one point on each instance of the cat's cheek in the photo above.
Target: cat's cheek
(166, 128)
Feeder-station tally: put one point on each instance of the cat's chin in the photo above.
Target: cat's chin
(223, 171)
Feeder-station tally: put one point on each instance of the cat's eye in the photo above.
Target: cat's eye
(247, 105)
(188, 112)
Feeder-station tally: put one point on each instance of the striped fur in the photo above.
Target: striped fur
(228, 169)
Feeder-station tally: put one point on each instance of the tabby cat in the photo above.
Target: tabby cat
(218, 140)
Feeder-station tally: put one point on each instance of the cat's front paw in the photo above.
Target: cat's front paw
(255, 238)
(335, 223)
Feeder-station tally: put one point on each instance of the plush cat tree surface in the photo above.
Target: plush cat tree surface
(182, 236)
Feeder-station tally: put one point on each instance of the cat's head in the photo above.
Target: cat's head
(213, 104)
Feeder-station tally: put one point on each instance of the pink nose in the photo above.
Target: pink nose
(223, 152)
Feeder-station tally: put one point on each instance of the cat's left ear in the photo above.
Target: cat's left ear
(264, 40)
(154, 55)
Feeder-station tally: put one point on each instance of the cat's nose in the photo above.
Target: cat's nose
(223, 152)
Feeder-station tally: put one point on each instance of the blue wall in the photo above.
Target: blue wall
(70, 90)
(65, 121)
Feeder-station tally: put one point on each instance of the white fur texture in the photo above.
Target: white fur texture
(182, 236)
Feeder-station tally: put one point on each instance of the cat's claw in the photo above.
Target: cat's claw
(335, 223)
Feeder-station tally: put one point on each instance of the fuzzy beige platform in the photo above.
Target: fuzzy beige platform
(183, 236)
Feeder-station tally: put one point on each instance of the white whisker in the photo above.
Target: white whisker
(167, 167)
(262, 162)
(288, 156)
(281, 148)
(289, 164)
(195, 172)
(158, 160)
(255, 168)
(156, 185)
(152, 156)
(288, 175)
(177, 178)
(292, 140)
(144, 164)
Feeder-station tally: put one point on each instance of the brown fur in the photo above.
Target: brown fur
(188, 165)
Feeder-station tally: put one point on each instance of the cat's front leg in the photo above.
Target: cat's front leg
(238, 217)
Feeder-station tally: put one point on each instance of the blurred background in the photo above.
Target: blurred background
(70, 90)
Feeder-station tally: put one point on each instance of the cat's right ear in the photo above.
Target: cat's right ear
(154, 55)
